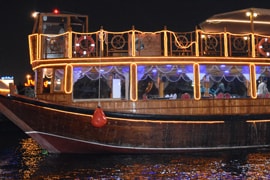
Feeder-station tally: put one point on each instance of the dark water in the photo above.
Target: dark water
(21, 158)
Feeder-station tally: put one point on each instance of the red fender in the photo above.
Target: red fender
(99, 119)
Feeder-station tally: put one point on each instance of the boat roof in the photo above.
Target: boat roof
(50, 22)
(239, 21)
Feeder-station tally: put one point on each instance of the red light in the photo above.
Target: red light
(56, 11)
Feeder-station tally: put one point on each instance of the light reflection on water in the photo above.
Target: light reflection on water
(25, 160)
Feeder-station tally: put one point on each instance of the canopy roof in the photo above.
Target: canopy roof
(239, 22)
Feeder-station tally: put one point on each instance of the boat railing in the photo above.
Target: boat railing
(134, 43)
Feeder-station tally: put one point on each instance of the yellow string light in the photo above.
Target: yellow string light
(37, 61)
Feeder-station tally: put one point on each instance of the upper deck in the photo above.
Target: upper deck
(66, 37)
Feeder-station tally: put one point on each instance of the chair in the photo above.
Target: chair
(185, 96)
(220, 96)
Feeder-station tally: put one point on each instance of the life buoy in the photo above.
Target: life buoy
(261, 47)
(85, 45)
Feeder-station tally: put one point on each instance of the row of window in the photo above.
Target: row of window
(156, 81)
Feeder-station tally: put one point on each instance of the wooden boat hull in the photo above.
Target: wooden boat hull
(63, 129)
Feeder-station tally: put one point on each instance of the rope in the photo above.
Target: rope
(99, 104)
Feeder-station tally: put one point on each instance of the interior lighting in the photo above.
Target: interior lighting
(154, 70)
(58, 81)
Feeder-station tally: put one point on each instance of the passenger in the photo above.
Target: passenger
(220, 88)
(262, 88)
(205, 85)
(62, 29)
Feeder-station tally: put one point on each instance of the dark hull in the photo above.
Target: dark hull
(63, 129)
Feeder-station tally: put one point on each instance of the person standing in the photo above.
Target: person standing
(262, 88)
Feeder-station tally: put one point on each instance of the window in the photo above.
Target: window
(47, 79)
(165, 81)
(95, 82)
(225, 81)
(59, 80)
(263, 76)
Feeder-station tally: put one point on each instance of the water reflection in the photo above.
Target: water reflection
(36, 165)
(25, 160)
(31, 156)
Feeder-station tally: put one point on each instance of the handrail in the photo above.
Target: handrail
(136, 43)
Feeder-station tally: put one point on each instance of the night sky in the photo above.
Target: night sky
(113, 15)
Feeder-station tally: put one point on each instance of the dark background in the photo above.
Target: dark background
(114, 15)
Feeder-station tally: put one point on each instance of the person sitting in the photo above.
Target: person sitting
(220, 88)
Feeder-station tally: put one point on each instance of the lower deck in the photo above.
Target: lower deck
(181, 107)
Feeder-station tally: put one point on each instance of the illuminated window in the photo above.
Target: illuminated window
(59, 80)
(225, 81)
(263, 76)
(165, 81)
(47, 79)
(95, 82)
